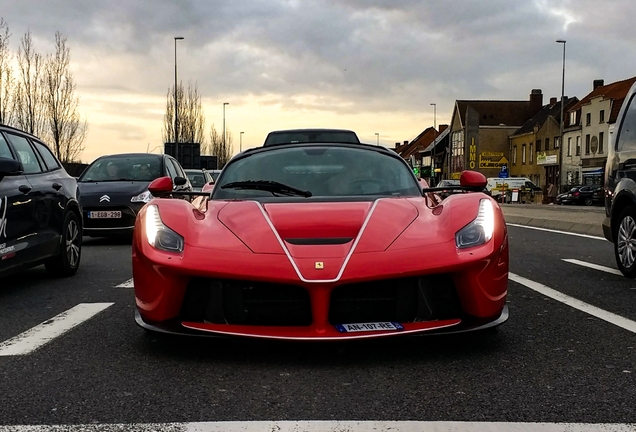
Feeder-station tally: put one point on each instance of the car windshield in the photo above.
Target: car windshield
(311, 137)
(323, 171)
(197, 178)
(445, 183)
(133, 168)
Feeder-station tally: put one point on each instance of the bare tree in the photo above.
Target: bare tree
(63, 123)
(222, 150)
(191, 120)
(6, 77)
(27, 99)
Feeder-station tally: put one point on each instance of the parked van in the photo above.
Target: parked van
(498, 185)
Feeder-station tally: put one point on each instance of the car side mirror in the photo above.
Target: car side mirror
(161, 186)
(180, 181)
(10, 167)
(473, 179)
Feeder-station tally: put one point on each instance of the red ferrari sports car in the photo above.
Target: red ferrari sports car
(320, 241)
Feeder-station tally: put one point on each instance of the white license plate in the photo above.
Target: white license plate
(364, 327)
(110, 214)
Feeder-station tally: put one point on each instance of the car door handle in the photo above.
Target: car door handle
(56, 186)
(25, 189)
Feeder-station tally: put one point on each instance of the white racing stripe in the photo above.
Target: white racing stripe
(127, 284)
(576, 304)
(34, 338)
(557, 231)
(594, 266)
(333, 426)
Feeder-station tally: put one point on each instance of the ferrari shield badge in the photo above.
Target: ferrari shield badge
(319, 265)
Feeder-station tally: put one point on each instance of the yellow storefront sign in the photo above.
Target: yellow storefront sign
(492, 160)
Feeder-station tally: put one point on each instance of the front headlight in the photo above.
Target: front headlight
(480, 230)
(143, 197)
(160, 236)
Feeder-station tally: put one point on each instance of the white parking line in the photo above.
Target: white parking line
(333, 426)
(34, 338)
(557, 231)
(127, 284)
(576, 304)
(594, 266)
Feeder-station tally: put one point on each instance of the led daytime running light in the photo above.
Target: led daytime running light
(159, 235)
(480, 230)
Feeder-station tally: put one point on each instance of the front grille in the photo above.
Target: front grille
(246, 303)
(127, 218)
(402, 300)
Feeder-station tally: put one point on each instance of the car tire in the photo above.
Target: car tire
(588, 201)
(624, 235)
(67, 262)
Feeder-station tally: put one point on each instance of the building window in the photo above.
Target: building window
(523, 154)
(538, 145)
(601, 136)
(547, 144)
(556, 142)
(531, 154)
(457, 152)
(601, 116)
(588, 119)
(587, 144)
(572, 118)
(578, 146)
(514, 155)
(569, 146)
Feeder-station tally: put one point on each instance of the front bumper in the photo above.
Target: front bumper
(174, 327)
(123, 226)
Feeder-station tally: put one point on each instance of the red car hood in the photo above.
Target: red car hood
(328, 230)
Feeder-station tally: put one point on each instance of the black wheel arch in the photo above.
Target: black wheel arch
(623, 199)
(74, 206)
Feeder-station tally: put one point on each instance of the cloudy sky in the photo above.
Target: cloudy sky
(373, 66)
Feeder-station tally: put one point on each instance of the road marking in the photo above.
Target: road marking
(594, 266)
(333, 426)
(127, 284)
(557, 231)
(34, 338)
(576, 304)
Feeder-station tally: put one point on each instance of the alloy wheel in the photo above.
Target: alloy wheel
(72, 243)
(627, 241)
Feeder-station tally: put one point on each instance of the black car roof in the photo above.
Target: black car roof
(12, 128)
(370, 147)
(314, 131)
(127, 155)
(310, 130)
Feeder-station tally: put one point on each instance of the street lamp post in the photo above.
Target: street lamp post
(176, 111)
(562, 41)
(434, 137)
(241, 141)
(224, 146)
(377, 135)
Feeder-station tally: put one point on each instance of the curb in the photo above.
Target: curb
(580, 228)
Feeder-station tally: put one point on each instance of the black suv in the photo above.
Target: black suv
(619, 225)
(40, 216)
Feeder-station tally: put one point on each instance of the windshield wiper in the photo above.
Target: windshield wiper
(269, 186)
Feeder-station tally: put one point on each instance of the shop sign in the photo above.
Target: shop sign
(492, 160)
(472, 154)
(543, 159)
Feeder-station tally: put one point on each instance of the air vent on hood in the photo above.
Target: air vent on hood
(319, 241)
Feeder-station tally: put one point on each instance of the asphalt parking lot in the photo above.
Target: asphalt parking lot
(566, 355)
